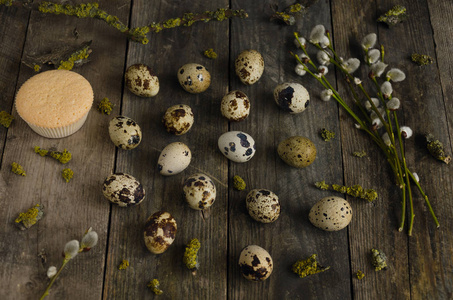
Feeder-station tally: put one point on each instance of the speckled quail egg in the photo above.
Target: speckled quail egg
(237, 146)
(291, 97)
(160, 232)
(331, 213)
(255, 263)
(235, 106)
(123, 189)
(263, 205)
(174, 158)
(249, 66)
(297, 151)
(178, 119)
(199, 191)
(125, 132)
(141, 80)
(194, 78)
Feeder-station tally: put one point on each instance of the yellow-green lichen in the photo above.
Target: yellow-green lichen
(356, 190)
(238, 183)
(105, 106)
(67, 174)
(123, 265)
(63, 157)
(359, 275)
(76, 57)
(394, 16)
(309, 266)
(436, 149)
(378, 260)
(37, 68)
(322, 185)
(30, 217)
(190, 258)
(359, 154)
(154, 286)
(6, 2)
(5, 119)
(295, 8)
(17, 169)
(422, 59)
(327, 135)
(210, 53)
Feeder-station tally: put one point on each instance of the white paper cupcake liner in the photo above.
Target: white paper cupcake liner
(59, 132)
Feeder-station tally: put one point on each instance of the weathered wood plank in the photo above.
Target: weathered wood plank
(291, 237)
(165, 53)
(70, 208)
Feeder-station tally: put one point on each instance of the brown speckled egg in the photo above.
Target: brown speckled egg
(194, 78)
(123, 189)
(160, 232)
(291, 97)
(249, 66)
(199, 191)
(235, 106)
(141, 80)
(263, 205)
(331, 213)
(125, 132)
(178, 119)
(255, 263)
(174, 158)
(297, 151)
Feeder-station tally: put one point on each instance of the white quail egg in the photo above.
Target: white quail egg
(255, 263)
(125, 132)
(123, 189)
(331, 213)
(178, 119)
(174, 158)
(141, 80)
(249, 66)
(235, 106)
(263, 205)
(291, 97)
(199, 191)
(237, 146)
(194, 78)
(160, 232)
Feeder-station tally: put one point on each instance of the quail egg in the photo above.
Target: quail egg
(160, 232)
(174, 158)
(125, 132)
(255, 263)
(235, 106)
(263, 205)
(141, 80)
(237, 146)
(291, 97)
(249, 66)
(199, 191)
(123, 189)
(331, 213)
(194, 78)
(178, 119)
(297, 151)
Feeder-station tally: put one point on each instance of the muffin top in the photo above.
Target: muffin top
(54, 98)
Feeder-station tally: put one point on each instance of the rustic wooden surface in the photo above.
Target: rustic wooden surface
(421, 266)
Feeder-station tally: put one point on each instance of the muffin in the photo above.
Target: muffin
(55, 104)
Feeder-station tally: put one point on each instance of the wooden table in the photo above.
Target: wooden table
(420, 267)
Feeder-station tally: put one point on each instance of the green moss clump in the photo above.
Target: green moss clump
(17, 169)
(378, 260)
(30, 217)
(5, 119)
(238, 183)
(436, 149)
(210, 53)
(123, 265)
(394, 16)
(327, 135)
(422, 59)
(105, 106)
(63, 157)
(309, 266)
(154, 286)
(190, 258)
(359, 275)
(67, 174)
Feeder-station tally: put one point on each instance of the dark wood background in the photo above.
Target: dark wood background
(420, 267)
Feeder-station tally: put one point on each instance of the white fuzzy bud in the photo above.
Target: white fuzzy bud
(326, 95)
(395, 75)
(89, 240)
(373, 56)
(301, 40)
(416, 177)
(323, 58)
(324, 43)
(376, 123)
(300, 70)
(323, 70)
(381, 112)
(406, 132)
(394, 104)
(368, 105)
(351, 65)
(368, 41)
(51, 271)
(387, 89)
(378, 68)
(71, 249)
(317, 34)
(357, 126)
(357, 81)
(386, 139)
